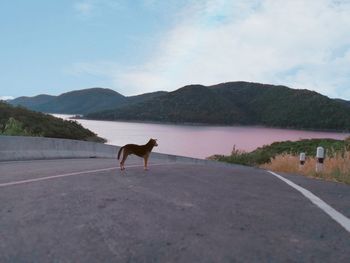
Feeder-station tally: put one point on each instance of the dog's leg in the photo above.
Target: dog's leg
(145, 159)
(124, 159)
(121, 165)
(122, 162)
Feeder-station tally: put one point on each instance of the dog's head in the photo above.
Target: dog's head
(153, 142)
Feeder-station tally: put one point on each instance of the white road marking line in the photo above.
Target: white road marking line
(70, 174)
(51, 160)
(334, 214)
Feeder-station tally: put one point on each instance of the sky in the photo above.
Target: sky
(139, 46)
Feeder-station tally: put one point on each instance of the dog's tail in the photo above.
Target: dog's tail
(120, 150)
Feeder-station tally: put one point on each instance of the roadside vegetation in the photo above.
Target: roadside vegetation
(336, 168)
(18, 121)
(284, 157)
(240, 103)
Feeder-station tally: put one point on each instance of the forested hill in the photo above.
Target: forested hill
(344, 102)
(238, 103)
(81, 101)
(74, 102)
(23, 122)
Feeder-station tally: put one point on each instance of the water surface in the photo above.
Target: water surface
(196, 140)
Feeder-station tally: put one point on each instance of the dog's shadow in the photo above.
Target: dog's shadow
(142, 172)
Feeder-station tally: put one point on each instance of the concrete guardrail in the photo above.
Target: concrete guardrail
(18, 148)
(14, 148)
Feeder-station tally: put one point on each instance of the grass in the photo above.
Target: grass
(336, 168)
(264, 154)
(284, 157)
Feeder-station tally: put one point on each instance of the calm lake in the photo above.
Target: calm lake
(196, 140)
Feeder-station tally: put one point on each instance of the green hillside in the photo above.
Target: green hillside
(74, 102)
(264, 154)
(32, 102)
(81, 101)
(238, 103)
(23, 122)
(190, 104)
(231, 103)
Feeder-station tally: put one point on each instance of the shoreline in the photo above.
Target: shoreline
(80, 117)
(219, 138)
(214, 125)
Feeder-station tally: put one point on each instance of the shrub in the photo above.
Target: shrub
(336, 168)
(14, 127)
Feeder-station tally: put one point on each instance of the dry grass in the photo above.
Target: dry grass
(336, 168)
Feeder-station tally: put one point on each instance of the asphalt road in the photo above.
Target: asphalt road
(86, 210)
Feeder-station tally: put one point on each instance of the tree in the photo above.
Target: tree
(14, 127)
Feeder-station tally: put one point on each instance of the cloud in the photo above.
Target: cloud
(84, 8)
(299, 43)
(89, 8)
(99, 68)
(6, 98)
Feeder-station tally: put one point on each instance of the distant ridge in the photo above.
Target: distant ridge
(81, 101)
(344, 102)
(32, 102)
(231, 103)
(241, 103)
(74, 102)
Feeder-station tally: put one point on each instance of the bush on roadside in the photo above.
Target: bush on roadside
(284, 157)
(14, 127)
(264, 154)
(336, 168)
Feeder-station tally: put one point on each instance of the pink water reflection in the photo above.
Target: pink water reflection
(197, 141)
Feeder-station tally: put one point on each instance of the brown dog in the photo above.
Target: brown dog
(139, 150)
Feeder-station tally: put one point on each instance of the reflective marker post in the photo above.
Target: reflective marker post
(320, 159)
(302, 158)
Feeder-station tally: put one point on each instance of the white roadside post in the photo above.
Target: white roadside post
(302, 158)
(320, 159)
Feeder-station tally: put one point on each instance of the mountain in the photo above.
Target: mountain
(32, 102)
(194, 103)
(241, 103)
(238, 103)
(20, 121)
(344, 102)
(144, 97)
(81, 101)
(74, 102)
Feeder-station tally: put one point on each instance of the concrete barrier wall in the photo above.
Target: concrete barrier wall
(31, 148)
(17, 148)
(14, 148)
